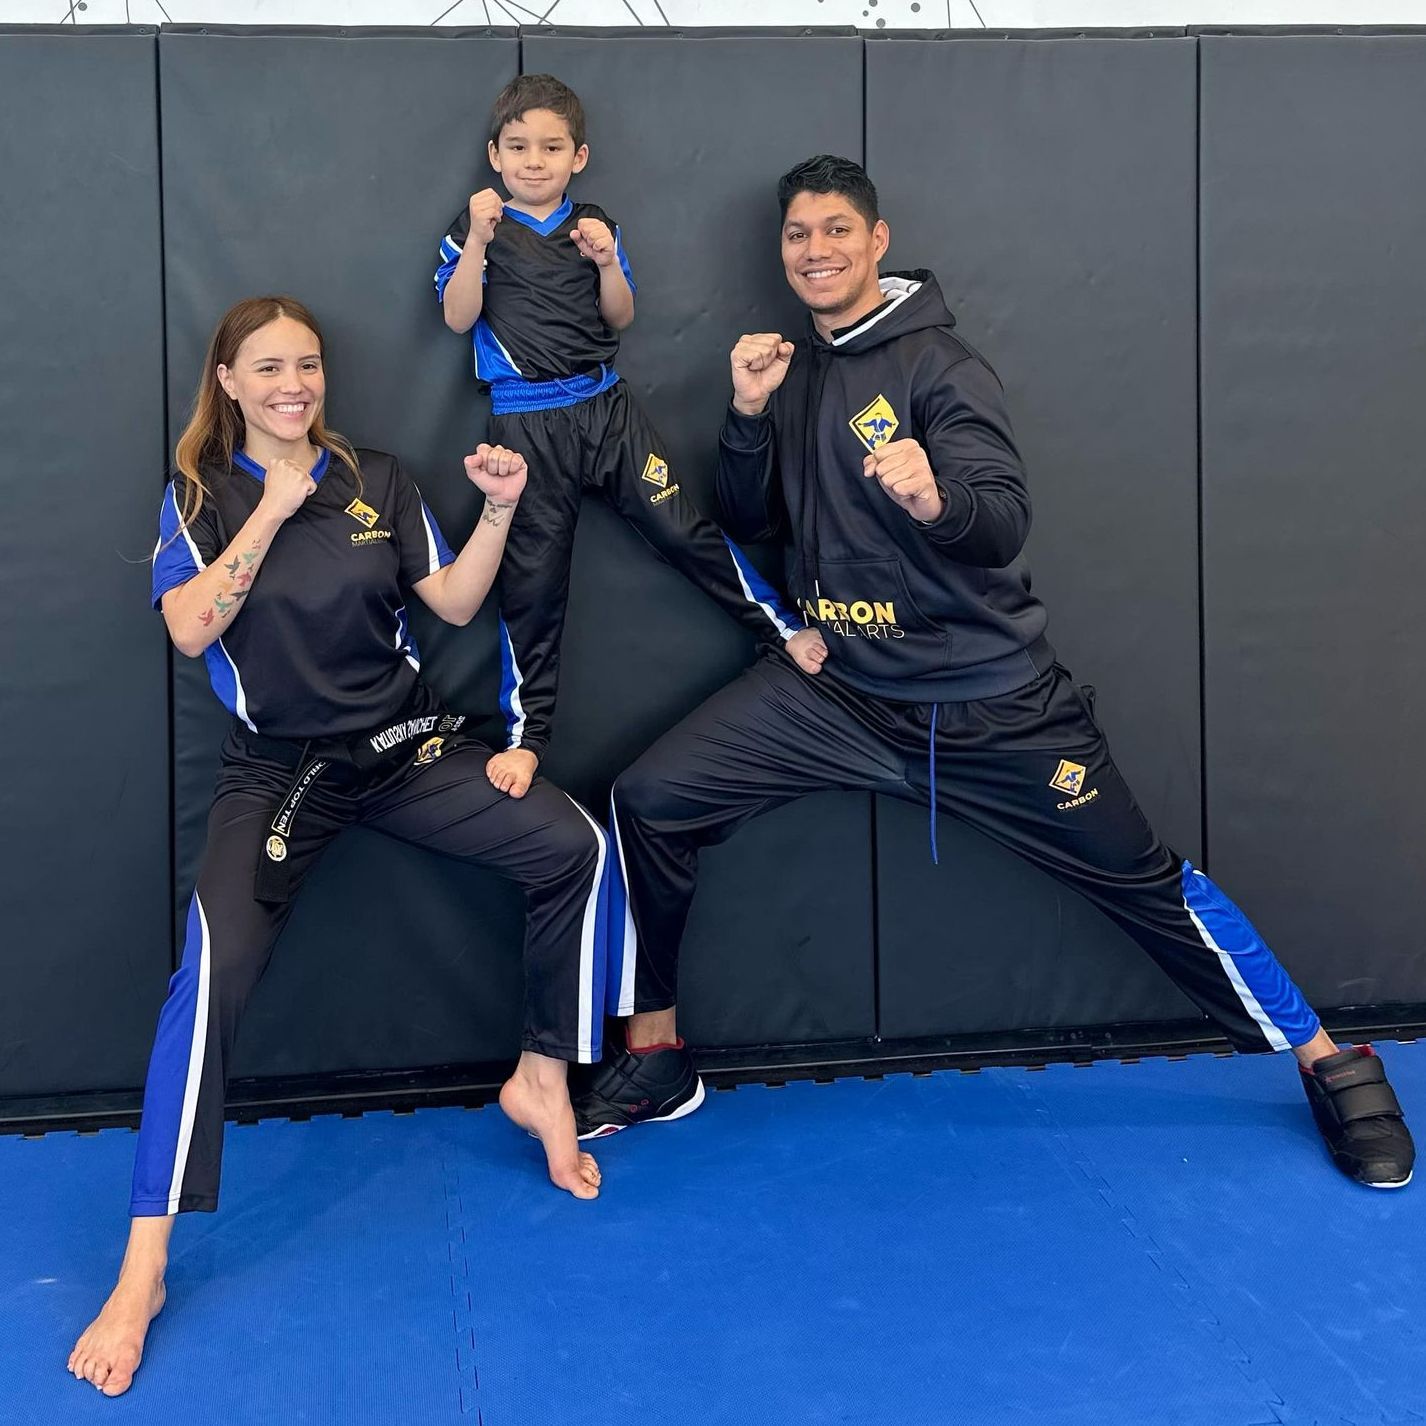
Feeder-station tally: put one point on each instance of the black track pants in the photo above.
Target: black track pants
(605, 444)
(1030, 769)
(544, 841)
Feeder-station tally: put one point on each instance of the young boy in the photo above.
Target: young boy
(546, 286)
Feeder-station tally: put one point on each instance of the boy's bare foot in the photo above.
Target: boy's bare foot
(111, 1347)
(512, 771)
(807, 649)
(536, 1097)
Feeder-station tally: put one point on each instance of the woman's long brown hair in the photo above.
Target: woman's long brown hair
(215, 428)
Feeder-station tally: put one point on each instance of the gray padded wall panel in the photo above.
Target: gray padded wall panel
(1050, 183)
(83, 675)
(1314, 424)
(324, 166)
(689, 172)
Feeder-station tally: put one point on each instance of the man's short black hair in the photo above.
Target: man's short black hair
(537, 91)
(828, 174)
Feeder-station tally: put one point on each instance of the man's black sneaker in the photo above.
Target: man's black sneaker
(1360, 1118)
(650, 1087)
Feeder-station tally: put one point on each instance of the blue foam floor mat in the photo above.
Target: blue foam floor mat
(1157, 1244)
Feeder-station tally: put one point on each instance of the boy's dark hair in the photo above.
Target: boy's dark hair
(537, 91)
(828, 174)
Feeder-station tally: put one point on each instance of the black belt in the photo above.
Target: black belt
(423, 719)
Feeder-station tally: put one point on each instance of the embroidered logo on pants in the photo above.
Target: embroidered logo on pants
(1069, 777)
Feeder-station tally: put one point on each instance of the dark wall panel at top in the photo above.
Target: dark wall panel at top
(686, 161)
(327, 167)
(1050, 184)
(84, 883)
(1314, 424)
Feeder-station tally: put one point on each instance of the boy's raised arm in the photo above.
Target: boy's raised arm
(616, 288)
(461, 278)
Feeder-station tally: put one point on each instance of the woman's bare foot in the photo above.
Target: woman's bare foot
(808, 650)
(512, 771)
(536, 1097)
(111, 1347)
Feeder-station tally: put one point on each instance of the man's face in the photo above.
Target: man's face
(830, 253)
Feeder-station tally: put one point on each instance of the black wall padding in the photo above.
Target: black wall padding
(327, 166)
(1314, 424)
(83, 674)
(1050, 183)
(1053, 182)
(691, 178)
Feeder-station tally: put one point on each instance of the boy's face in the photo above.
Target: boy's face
(830, 253)
(536, 157)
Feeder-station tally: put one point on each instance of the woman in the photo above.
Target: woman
(282, 558)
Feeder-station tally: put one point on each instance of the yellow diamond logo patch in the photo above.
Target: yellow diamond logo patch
(656, 472)
(362, 513)
(876, 424)
(1069, 777)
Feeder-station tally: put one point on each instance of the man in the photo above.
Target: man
(881, 446)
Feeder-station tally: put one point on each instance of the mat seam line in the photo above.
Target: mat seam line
(1067, 1150)
(462, 1298)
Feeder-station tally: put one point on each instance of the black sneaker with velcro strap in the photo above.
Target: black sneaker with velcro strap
(631, 1087)
(1360, 1117)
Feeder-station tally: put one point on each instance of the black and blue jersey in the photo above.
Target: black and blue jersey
(540, 320)
(321, 646)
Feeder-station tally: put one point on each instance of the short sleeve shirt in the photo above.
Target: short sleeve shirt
(320, 645)
(540, 318)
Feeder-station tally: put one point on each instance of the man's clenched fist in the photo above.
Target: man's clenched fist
(760, 362)
(905, 474)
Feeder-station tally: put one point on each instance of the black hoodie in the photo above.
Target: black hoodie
(934, 612)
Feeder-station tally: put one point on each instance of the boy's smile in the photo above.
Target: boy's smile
(536, 157)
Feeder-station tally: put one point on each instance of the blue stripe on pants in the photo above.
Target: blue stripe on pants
(1264, 987)
(167, 1083)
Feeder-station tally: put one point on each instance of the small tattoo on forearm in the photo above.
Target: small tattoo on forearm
(206, 618)
(496, 512)
(222, 606)
(245, 579)
(233, 568)
(250, 555)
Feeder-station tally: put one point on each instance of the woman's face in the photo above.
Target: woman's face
(277, 380)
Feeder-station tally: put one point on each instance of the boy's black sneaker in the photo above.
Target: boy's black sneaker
(1360, 1117)
(649, 1087)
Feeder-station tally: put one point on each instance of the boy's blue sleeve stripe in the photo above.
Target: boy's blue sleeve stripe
(175, 557)
(450, 252)
(624, 260)
(450, 256)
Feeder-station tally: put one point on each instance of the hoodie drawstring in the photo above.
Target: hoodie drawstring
(935, 856)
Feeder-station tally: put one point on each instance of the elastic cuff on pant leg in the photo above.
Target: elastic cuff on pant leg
(158, 1207)
(539, 1045)
(1258, 1044)
(1305, 1038)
